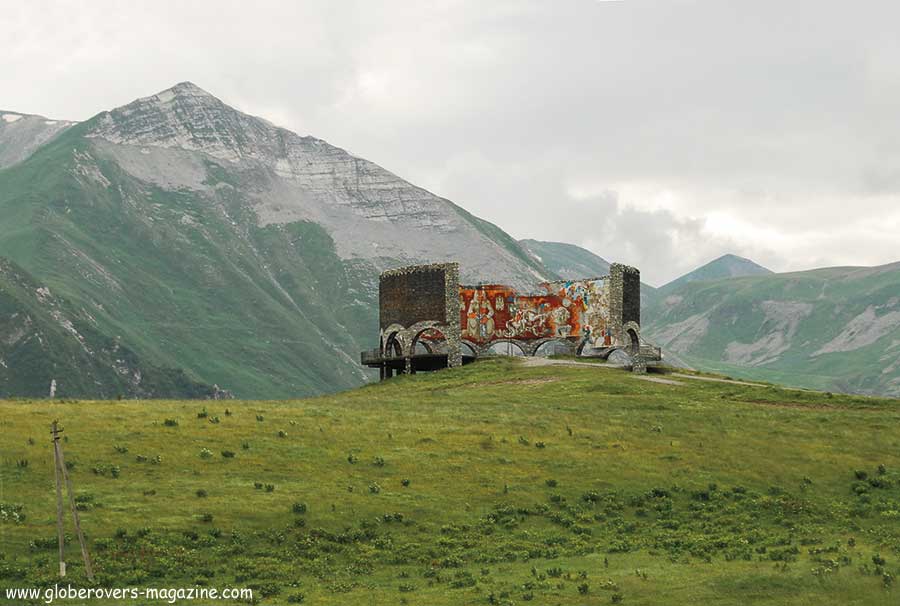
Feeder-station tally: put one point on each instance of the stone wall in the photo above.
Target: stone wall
(624, 301)
(418, 302)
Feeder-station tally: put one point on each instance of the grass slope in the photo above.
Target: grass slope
(831, 329)
(495, 483)
(175, 275)
(44, 339)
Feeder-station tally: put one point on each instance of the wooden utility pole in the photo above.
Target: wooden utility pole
(59, 503)
(61, 471)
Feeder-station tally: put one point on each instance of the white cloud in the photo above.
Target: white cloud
(662, 134)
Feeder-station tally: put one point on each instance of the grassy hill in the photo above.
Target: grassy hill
(832, 329)
(47, 341)
(496, 483)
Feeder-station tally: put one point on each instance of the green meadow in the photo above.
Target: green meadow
(497, 483)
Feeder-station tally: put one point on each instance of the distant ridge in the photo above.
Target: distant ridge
(726, 266)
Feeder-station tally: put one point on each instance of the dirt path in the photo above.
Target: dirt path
(715, 380)
(539, 361)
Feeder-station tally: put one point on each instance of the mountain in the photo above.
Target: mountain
(212, 242)
(568, 261)
(726, 266)
(21, 134)
(571, 262)
(833, 329)
(52, 347)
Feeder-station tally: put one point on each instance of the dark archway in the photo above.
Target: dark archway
(392, 346)
(430, 340)
(634, 345)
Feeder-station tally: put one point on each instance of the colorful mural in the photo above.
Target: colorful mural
(572, 310)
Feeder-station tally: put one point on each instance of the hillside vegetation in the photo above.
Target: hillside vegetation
(498, 483)
(832, 329)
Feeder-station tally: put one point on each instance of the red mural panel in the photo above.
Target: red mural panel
(574, 310)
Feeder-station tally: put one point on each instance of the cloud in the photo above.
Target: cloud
(662, 134)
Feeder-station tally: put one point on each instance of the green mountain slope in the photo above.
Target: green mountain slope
(568, 261)
(213, 242)
(178, 279)
(48, 347)
(836, 329)
(495, 483)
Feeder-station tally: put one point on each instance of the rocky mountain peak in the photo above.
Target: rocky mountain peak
(187, 117)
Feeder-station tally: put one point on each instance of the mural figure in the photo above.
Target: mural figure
(486, 319)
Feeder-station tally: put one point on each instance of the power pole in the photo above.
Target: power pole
(62, 471)
(59, 503)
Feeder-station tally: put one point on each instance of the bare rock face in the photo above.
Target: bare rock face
(183, 137)
(21, 134)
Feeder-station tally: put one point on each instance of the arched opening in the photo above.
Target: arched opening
(392, 347)
(467, 350)
(429, 341)
(634, 345)
(554, 348)
(506, 348)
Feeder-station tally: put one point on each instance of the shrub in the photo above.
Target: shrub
(584, 588)
(882, 469)
(861, 474)
(206, 517)
(227, 413)
(22, 463)
(245, 445)
(156, 460)
(299, 508)
(296, 598)
(258, 485)
(540, 445)
(202, 414)
(140, 459)
(374, 488)
(270, 488)
(121, 449)
(351, 459)
(201, 493)
(227, 454)
(205, 453)
(103, 470)
(260, 418)
(551, 483)
(617, 598)
(378, 462)
(404, 482)
(524, 441)
(282, 433)
(170, 423)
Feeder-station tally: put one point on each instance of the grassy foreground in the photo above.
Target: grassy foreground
(492, 484)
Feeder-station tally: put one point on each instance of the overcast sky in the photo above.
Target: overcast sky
(661, 134)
